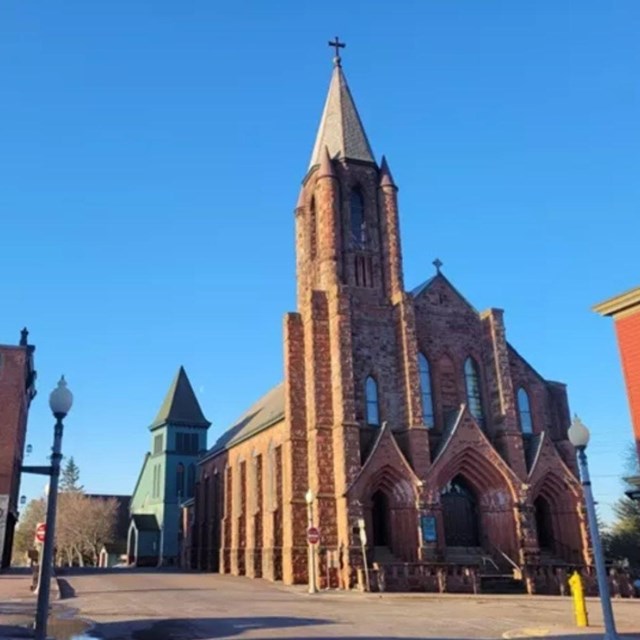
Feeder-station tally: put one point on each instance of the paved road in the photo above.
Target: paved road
(165, 605)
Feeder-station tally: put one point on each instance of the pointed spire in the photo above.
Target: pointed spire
(340, 127)
(326, 166)
(386, 179)
(180, 405)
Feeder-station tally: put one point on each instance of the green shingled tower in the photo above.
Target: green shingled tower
(168, 475)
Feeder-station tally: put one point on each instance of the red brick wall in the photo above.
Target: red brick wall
(16, 392)
(628, 332)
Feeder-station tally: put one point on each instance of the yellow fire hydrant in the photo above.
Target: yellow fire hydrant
(579, 602)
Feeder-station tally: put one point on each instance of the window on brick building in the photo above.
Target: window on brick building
(373, 409)
(472, 383)
(358, 224)
(524, 411)
(425, 390)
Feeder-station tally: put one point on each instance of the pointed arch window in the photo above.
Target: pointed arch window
(472, 383)
(180, 480)
(373, 408)
(425, 390)
(358, 224)
(524, 411)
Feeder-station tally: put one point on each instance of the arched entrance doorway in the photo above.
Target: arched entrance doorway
(460, 514)
(544, 524)
(380, 519)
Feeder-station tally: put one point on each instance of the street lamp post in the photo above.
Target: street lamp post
(60, 402)
(579, 438)
(309, 498)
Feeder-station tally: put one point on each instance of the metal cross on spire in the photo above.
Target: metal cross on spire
(437, 263)
(337, 45)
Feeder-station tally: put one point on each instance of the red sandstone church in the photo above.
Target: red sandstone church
(407, 409)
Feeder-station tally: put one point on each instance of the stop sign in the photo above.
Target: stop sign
(40, 531)
(313, 535)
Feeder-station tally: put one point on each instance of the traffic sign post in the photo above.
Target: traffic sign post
(313, 535)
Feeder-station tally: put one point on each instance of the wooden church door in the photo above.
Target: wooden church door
(380, 518)
(460, 515)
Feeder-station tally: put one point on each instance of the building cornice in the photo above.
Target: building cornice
(621, 305)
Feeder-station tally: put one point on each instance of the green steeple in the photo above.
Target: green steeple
(180, 406)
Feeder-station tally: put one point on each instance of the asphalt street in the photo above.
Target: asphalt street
(165, 605)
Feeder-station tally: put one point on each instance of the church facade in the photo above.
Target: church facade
(408, 412)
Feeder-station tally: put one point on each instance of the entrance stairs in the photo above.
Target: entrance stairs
(384, 555)
(496, 571)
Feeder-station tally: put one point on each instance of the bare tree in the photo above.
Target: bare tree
(24, 539)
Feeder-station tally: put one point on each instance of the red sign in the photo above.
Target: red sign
(313, 535)
(40, 531)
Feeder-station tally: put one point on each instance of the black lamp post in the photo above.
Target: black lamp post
(579, 438)
(60, 402)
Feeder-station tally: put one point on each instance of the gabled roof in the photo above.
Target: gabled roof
(145, 522)
(392, 455)
(180, 405)
(264, 413)
(439, 277)
(532, 446)
(341, 129)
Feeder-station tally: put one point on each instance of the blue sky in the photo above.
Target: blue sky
(151, 155)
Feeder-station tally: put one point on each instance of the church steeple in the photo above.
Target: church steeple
(180, 406)
(341, 129)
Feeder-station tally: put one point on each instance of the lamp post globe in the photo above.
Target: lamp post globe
(309, 496)
(60, 399)
(578, 433)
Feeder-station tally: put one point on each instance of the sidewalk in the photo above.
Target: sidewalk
(17, 604)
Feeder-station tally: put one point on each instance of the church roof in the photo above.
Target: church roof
(341, 129)
(264, 413)
(180, 405)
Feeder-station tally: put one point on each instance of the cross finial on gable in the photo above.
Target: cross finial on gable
(437, 263)
(337, 45)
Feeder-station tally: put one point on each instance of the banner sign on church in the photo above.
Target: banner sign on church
(428, 528)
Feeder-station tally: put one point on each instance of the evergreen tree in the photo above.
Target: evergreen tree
(70, 477)
(622, 539)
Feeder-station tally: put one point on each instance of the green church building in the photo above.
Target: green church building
(168, 476)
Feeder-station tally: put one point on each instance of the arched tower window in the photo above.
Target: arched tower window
(425, 390)
(180, 480)
(191, 480)
(472, 382)
(524, 410)
(358, 224)
(373, 409)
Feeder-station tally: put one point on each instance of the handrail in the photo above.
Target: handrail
(507, 558)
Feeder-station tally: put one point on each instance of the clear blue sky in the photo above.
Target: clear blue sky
(151, 155)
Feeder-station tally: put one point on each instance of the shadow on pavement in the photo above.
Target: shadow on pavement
(262, 628)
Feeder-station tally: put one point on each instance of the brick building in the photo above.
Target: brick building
(17, 389)
(625, 311)
(408, 409)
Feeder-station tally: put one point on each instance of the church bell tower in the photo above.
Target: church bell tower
(350, 351)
